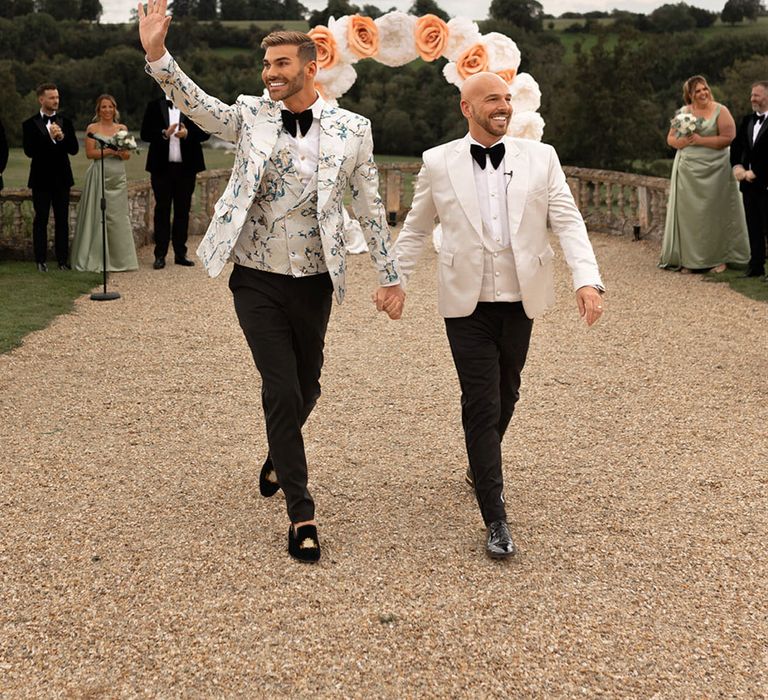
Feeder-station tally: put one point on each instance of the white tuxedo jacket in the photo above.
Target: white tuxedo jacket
(537, 193)
(253, 124)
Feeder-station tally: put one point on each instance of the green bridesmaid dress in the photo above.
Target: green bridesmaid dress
(705, 223)
(87, 246)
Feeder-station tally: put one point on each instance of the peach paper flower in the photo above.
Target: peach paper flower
(473, 60)
(507, 75)
(327, 50)
(431, 36)
(363, 36)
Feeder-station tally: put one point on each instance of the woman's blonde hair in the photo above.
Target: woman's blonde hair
(99, 100)
(689, 86)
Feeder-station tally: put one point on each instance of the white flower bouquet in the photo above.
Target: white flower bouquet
(123, 141)
(685, 124)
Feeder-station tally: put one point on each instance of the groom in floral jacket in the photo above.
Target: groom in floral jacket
(280, 222)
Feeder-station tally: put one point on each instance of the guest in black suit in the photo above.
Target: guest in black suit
(175, 157)
(749, 158)
(3, 153)
(49, 139)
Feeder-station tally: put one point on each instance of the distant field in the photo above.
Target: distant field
(17, 172)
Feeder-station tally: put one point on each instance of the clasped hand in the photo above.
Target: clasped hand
(390, 299)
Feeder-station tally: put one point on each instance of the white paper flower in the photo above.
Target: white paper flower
(526, 125)
(463, 34)
(526, 96)
(340, 29)
(396, 44)
(451, 74)
(503, 53)
(336, 81)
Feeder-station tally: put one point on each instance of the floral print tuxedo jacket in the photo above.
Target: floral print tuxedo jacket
(253, 124)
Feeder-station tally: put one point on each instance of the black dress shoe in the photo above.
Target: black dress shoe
(42, 267)
(303, 544)
(159, 263)
(186, 262)
(268, 485)
(469, 478)
(64, 266)
(500, 544)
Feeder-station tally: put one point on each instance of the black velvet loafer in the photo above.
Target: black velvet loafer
(499, 544)
(303, 545)
(268, 484)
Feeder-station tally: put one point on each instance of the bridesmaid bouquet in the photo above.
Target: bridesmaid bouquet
(123, 141)
(685, 124)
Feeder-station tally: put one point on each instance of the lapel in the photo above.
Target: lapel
(462, 176)
(41, 125)
(164, 113)
(761, 132)
(515, 162)
(330, 156)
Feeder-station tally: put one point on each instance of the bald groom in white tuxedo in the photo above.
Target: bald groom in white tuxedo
(494, 196)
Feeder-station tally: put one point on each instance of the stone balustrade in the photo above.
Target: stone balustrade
(611, 202)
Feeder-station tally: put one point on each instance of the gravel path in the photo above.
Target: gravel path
(138, 559)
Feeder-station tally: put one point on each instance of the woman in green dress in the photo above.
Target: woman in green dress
(87, 252)
(705, 227)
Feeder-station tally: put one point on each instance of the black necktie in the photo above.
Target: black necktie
(48, 118)
(760, 118)
(496, 154)
(290, 120)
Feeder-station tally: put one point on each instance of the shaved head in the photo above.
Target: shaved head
(486, 103)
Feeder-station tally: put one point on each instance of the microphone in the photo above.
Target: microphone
(100, 139)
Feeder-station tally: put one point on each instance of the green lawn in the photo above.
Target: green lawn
(752, 287)
(31, 299)
(17, 172)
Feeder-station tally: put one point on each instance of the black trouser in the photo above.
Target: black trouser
(42, 200)
(756, 211)
(489, 348)
(284, 320)
(174, 187)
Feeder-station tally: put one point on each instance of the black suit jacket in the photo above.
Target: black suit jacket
(751, 155)
(50, 166)
(154, 122)
(3, 153)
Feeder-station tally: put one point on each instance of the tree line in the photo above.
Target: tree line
(609, 107)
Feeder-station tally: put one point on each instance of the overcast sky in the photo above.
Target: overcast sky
(119, 10)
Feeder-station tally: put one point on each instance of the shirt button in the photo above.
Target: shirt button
(497, 274)
(301, 158)
(498, 294)
(498, 240)
(495, 255)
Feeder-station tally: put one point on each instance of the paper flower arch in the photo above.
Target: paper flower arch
(396, 38)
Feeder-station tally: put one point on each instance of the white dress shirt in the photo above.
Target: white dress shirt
(500, 281)
(48, 124)
(306, 148)
(756, 128)
(174, 145)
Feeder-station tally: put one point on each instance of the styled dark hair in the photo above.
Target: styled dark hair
(99, 99)
(762, 83)
(40, 89)
(690, 85)
(307, 47)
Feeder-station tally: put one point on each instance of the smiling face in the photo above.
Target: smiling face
(287, 78)
(759, 99)
(49, 101)
(700, 94)
(106, 110)
(486, 103)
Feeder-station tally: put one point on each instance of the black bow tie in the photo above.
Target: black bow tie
(760, 118)
(47, 119)
(480, 154)
(290, 120)
(169, 103)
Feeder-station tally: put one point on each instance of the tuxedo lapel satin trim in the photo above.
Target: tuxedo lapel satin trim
(41, 126)
(330, 157)
(462, 176)
(761, 132)
(517, 184)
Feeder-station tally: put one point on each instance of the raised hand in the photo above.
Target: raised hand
(153, 28)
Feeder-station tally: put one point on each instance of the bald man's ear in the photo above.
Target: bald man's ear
(465, 108)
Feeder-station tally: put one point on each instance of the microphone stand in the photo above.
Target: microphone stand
(105, 295)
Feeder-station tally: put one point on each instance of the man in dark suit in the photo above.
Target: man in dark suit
(175, 157)
(49, 139)
(3, 153)
(749, 158)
